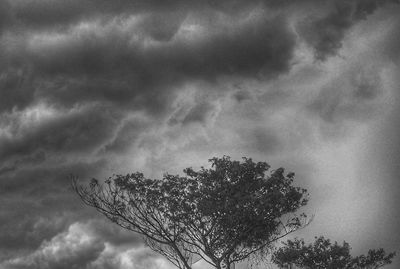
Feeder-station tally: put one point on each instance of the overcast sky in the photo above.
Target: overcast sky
(96, 87)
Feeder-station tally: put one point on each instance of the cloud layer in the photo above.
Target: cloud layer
(94, 88)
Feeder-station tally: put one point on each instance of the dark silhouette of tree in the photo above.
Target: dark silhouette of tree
(223, 214)
(322, 254)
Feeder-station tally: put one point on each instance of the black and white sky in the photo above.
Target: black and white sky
(98, 87)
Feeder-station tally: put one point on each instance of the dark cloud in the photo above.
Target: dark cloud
(241, 95)
(95, 87)
(88, 76)
(82, 130)
(37, 203)
(16, 89)
(390, 45)
(7, 169)
(265, 141)
(325, 34)
(264, 46)
(163, 26)
(48, 14)
(138, 62)
(4, 15)
(11, 164)
(27, 232)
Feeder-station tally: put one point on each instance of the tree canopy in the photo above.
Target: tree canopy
(223, 214)
(323, 254)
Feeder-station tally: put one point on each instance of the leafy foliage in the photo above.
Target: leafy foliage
(223, 214)
(325, 255)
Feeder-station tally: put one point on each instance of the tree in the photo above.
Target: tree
(322, 254)
(223, 214)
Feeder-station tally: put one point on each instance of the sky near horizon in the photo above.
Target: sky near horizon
(96, 87)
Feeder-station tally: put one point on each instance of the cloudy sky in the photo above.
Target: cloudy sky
(96, 87)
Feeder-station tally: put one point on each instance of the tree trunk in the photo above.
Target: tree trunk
(226, 264)
(181, 257)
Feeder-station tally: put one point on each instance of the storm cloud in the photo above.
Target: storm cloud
(95, 88)
(325, 34)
